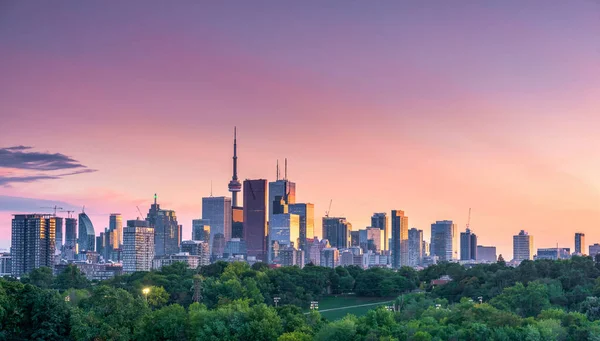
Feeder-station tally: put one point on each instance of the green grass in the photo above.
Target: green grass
(332, 302)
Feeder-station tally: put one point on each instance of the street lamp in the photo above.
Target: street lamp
(314, 305)
(146, 291)
(276, 300)
(480, 299)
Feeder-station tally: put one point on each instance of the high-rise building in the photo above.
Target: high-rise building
(116, 225)
(468, 245)
(337, 231)
(138, 246)
(59, 235)
(380, 220)
(87, 235)
(235, 248)
(355, 238)
(167, 234)
(284, 231)
(255, 218)
(486, 254)
(197, 248)
(594, 250)
(579, 243)
(444, 243)
(415, 247)
(522, 246)
(281, 192)
(32, 242)
(306, 212)
(330, 257)
(399, 236)
(201, 230)
(375, 238)
(237, 222)
(315, 246)
(5, 264)
(70, 247)
(218, 211)
(234, 185)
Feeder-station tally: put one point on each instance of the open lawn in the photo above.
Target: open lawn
(336, 307)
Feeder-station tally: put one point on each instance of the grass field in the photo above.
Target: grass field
(336, 307)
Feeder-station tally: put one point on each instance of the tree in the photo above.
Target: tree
(167, 323)
(340, 330)
(157, 297)
(71, 278)
(295, 336)
(40, 277)
(501, 260)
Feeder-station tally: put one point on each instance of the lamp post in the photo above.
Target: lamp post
(276, 300)
(480, 299)
(314, 305)
(146, 291)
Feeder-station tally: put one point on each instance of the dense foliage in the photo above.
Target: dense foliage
(541, 300)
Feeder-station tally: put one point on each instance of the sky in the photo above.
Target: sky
(428, 107)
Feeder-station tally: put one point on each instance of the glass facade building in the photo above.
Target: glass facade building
(399, 243)
(138, 246)
(32, 242)
(337, 231)
(255, 218)
(444, 240)
(380, 220)
(87, 235)
(306, 212)
(218, 211)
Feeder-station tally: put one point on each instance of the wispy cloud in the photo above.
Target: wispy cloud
(23, 204)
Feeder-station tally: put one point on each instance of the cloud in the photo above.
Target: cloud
(22, 204)
(19, 157)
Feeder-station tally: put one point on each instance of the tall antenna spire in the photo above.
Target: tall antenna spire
(211, 188)
(154, 198)
(277, 175)
(285, 177)
(234, 185)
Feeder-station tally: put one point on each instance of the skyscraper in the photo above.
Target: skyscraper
(381, 220)
(374, 239)
(255, 218)
(486, 253)
(399, 245)
(337, 231)
(237, 219)
(415, 247)
(281, 191)
(116, 224)
(468, 245)
(307, 222)
(201, 230)
(444, 243)
(580, 243)
(138, 246)
(59, 234)
(284, 231)
(167, 236)
(87, 235)
(32, 242)
(522, 246)
(70, 247)
(218, 211)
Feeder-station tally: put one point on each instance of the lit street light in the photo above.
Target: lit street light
(146, 291)
(314, 305)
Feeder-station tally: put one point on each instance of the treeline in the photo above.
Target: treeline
(541, 300)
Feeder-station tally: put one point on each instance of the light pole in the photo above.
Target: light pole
(276, 300)
(314, 305)
(146, 291)
(480, 299)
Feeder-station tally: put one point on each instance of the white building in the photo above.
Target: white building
(138, 246)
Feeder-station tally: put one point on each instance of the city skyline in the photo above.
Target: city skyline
(482, 118)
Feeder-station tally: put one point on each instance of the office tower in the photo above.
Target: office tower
(237, 222)
(87, 235)
(468, 245)
(218, 211)
(235, 248)
(486, 254)
(100, 247)
(522, 246)
(363, 241)
(594, 250)
(415, 247)
(281, 192)
(166, 233)
(255, 218)
(197, 248)
(138, 246)
(444, 240)
(116, 224)
(307, 222)
(355, 238)
(399, 246)
(330, 257)
(579, 243)
(284, 230)
(201, 230)
(337, 231)
(374, 239)
(315, 246)
(32, 242)
(380, 220)
(70, 247)
(59, 235)
(425, 251)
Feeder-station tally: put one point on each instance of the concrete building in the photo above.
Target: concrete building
(32, 242)
(59, 235)
(255, 218)
(284, 231)
(486, 254)
(281, 192)
(70, 245)
(5, 264)
(580, 243)
(315, 246)
(201, 230)
(115, 223)
(337, 231)
(355, 238)
(522, 247)
(375, 238)
(167, 233)
(197, 248)
(138, 246)
(594, 250)
(415, 247)
(87, 236)
(306, 212)
(468, 245)
(444, 240)
(330, 257)
(380, 220)
(181, 257)
(370, 260)
(399, 246)
(93, 271)
(553, 253)
(218, 211)
(235, 248)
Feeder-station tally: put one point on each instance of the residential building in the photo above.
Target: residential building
(315, 246)
(375, 238)
(415, 247)
(337, 231)
(5, 264)
(579, 243)
(93, 271)
(330, 257)
(32, 242)
(444, 240)
(399, 246)
(218, 211)
(87, 235)
(486, 254)
(197, 248)
(59, 235)
(522, 246)
(192, 261)
(70, 245)
(594, 250)
(115, 223)
(138, 246)
(255, 218)
(468, 245)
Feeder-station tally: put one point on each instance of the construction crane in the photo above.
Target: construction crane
(54, 208)
(329, 209)
(140, 212)
(469, 219)
(68, 213)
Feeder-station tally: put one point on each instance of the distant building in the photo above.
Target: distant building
(70, 245)
(237, 222)
(337, 231)
(138, 246)
(59, 235)
(93, 271)
(522, 247)
(315, 246)
(306, 212)
(580, 243)
(236, 247)
(330, 257)
(197, 248)
(370, 260)
(289, 256)
(553, 253)
(486, 254)
(375, 238)
(380, 220)
(115, 224)
(399, 246)
(201, 230)
(444, 240)
(355, 238)
(218, 211)
(167, 233)
(32, 242)
(255, 218)
(5, 264)
(284, 231)
(281, 191)
(415, 247)
(594, 249)
(442, 280)
(182, 257)
(468, 245)
(87, 235)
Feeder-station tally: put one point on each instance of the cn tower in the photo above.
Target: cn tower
(234, 185)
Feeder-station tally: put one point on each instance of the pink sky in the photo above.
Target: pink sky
(430, 109)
